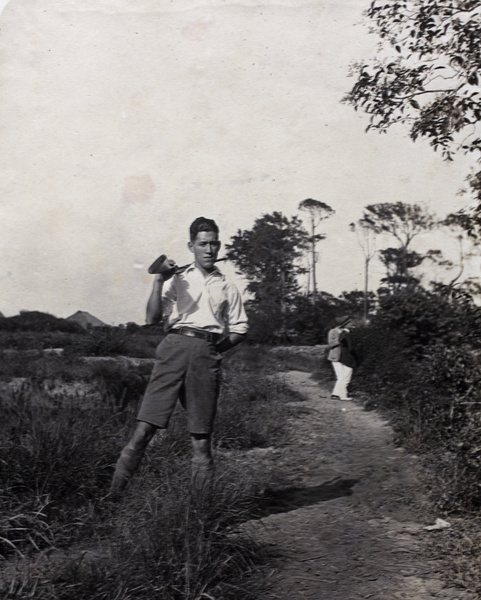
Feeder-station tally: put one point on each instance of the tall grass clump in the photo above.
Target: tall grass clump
(55, 458)
(185, 545)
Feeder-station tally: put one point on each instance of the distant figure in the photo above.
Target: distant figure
(341, 357)
(205, 317)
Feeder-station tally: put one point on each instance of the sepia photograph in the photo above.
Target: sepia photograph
(240, 309)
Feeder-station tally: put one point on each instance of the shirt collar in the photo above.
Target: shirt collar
(214, 273)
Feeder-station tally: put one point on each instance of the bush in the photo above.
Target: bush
(426, 318)
(39, 322)
(138, 342)
(420, 363)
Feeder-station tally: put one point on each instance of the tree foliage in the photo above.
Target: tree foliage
(317, 211)
(354, 302)
(267, 256)
(469, 218)
(430, 80)
(427, 77)
(398, 264)
(403, 222)
(307, 323)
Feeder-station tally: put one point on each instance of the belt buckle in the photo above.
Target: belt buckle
(208, 336)
(187, 332)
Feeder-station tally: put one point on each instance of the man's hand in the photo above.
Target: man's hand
(229, 342)
(167, 269)
(163, 266)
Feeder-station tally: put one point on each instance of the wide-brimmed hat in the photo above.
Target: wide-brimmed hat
(341, 321)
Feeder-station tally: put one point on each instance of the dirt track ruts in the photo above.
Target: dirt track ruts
(351, 527)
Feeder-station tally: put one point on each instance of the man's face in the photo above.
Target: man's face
(205, 248)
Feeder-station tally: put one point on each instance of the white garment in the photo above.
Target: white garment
(343, 376)
(209, 303)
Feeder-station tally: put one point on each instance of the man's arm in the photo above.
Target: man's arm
(230, 341)
(154, 304)
(236, 319)
(333, 338)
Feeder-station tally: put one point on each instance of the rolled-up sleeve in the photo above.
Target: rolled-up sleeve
(236, 317)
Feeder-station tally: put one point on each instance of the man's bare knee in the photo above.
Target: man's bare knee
(143, 434)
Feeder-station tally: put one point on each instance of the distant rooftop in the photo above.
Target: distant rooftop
(86, 320)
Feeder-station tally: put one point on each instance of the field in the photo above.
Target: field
(67, 414)
(65, 422)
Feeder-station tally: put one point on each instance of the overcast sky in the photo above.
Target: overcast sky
(124, 120)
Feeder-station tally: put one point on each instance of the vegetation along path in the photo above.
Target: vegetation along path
(351, 526)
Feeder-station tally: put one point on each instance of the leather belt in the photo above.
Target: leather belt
(209, 336)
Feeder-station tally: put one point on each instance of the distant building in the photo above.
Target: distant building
(86, 320)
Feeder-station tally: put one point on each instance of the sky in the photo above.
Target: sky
(123, 121)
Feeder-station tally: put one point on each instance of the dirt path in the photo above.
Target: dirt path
(350, 527)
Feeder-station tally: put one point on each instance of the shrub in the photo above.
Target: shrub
(419, 362)
(37, 321)
(425, 318)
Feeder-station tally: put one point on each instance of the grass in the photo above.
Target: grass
(59, 540)
(55, 457)
(265, 359)
(163, 543)
(247, 418)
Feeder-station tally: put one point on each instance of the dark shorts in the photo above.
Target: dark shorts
(187, 369)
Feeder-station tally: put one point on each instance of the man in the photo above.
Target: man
(341, 357)
(206, 317)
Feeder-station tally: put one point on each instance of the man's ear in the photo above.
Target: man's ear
(190, 245)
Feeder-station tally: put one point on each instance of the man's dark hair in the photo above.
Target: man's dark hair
(202, 224)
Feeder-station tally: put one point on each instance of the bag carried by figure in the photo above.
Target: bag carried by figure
(347, 357)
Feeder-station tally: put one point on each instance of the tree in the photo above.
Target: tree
(432, 81)
(318, 211)
(366, 239)
(398, 265)
(458, 225)
(469, 218)
(403, 222)
(266, 255)
(427, 79)
(308, 324)
(355, 302)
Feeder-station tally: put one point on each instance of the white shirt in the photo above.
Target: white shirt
(211, 303)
